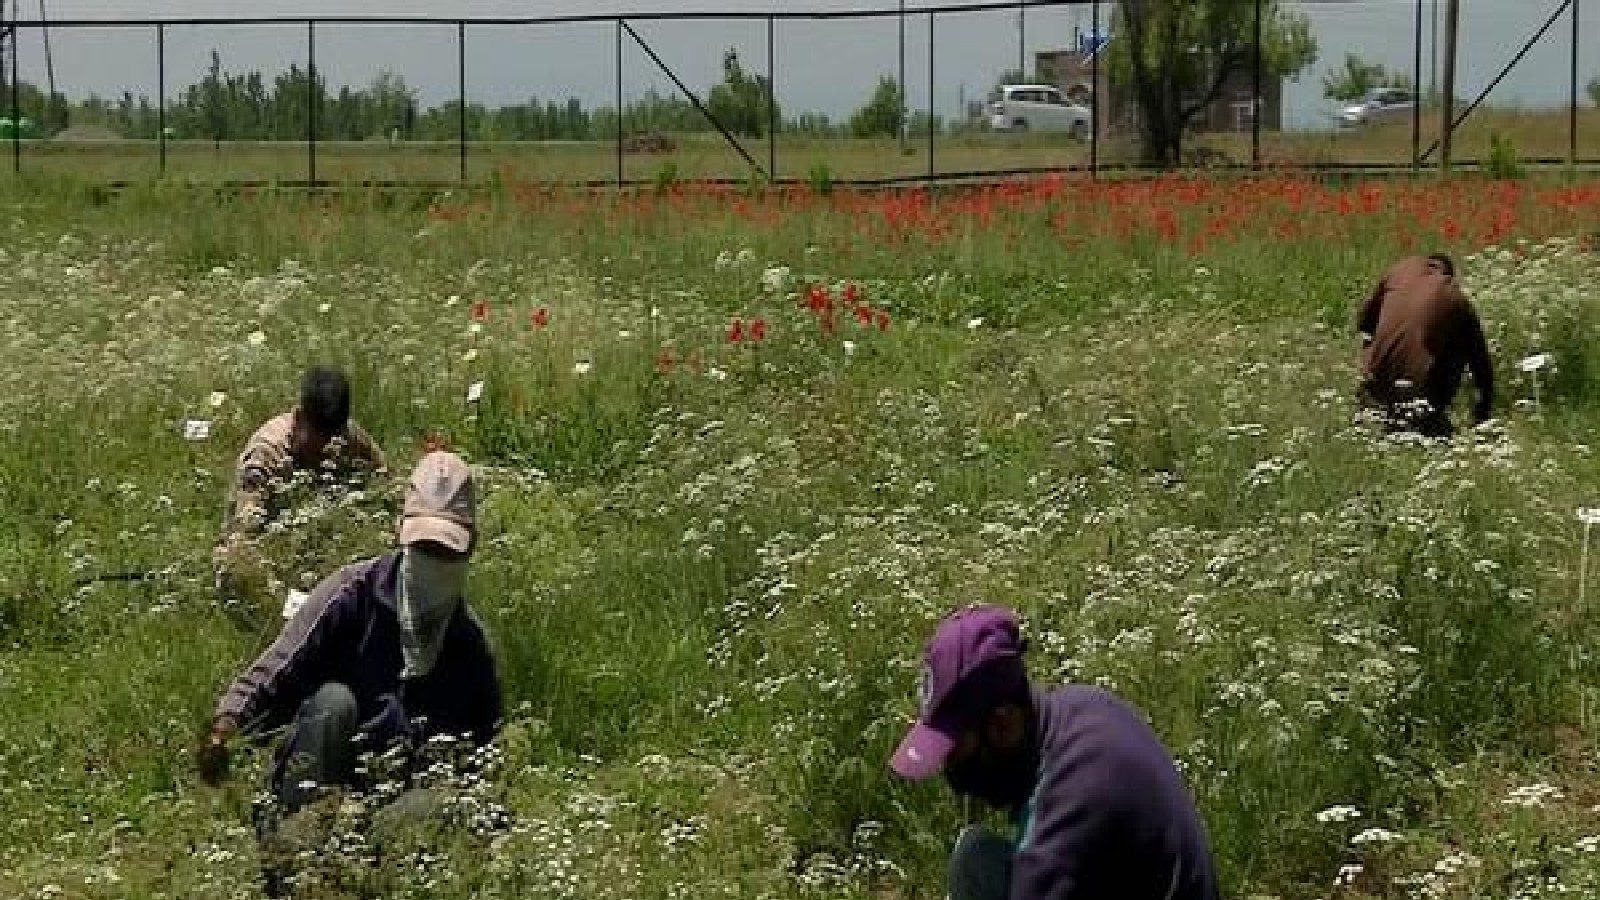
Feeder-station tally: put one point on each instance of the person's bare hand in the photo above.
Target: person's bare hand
(212, 757)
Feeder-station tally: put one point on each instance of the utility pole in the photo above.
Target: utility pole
(1452, 23)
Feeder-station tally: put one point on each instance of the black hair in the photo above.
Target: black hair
(325, 399)
(1446, 264)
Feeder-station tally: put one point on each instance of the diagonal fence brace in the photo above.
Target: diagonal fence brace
(1537, 37)
(693, 98)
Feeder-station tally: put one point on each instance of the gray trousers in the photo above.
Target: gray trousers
(323, 744)
(321, 749)
(980, 865)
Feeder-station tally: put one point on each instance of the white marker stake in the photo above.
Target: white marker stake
(196, 429)
(475, 392)
(1588, 516)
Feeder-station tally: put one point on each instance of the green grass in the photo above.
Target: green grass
(1535, 134)
(708, 582)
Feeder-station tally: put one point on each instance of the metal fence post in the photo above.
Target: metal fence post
(161, 96)
(1452, 22)
(461, 97)
(1022, 39)
(311, 100)
(1572, 112)
(1416, 94)
(931, 130)
(619, 104)
(1095, 106)
(1255, 100)
(16, 109)
(901, 83)
(772, 101)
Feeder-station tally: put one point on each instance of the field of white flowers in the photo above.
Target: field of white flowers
(723, 505)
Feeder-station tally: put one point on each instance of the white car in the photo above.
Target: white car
(1037, 107)
(1380, 105)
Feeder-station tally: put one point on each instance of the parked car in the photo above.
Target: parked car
(1037, 107)
(1381, 105)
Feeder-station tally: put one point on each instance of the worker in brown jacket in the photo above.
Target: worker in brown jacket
(1419, 331)
(316, 433)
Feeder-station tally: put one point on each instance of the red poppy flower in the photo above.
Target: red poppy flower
(817, 299)
(864, 316)
(480, 311)
(736, 332)
(758, 330)
(541, 318)
(665, 361)
(883, 320)
(852, 294)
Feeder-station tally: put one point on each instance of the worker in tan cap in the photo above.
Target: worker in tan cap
(317, 435)
(383, 652)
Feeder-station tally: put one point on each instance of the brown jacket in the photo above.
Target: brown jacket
(1421, 332)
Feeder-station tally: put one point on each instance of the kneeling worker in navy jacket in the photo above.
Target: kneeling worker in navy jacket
(1100, 807)
(383, 651)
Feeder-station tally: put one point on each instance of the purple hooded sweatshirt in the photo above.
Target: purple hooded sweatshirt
(1110, 817)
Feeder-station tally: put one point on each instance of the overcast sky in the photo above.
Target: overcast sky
(829, 66)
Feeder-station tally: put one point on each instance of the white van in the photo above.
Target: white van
(1037, 107)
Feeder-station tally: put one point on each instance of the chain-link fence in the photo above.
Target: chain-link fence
(829, 95)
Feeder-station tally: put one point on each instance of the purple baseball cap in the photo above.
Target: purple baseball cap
(975, 655)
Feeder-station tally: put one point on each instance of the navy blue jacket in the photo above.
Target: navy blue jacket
(1110, 816)
(348, 631)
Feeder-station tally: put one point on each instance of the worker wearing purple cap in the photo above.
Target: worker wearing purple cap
(1100, 807)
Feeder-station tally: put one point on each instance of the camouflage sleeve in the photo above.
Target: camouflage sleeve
(236, 564)
(248, 508)
(364, 448)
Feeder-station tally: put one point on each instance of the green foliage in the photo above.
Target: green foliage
(1358, 77)
(1174, 55)
(225, 105)
(755, 184)
(884, 112)
(707, 568)
(919, 123)
(666, 177)
(1503, 161)
(820, 177)
(740, 101)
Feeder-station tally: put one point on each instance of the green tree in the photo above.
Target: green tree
(213, 101)
(1357, 77)
(1594, 92)
(881, 117)
(1177, 55)
(391, 101)
(740, 101)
